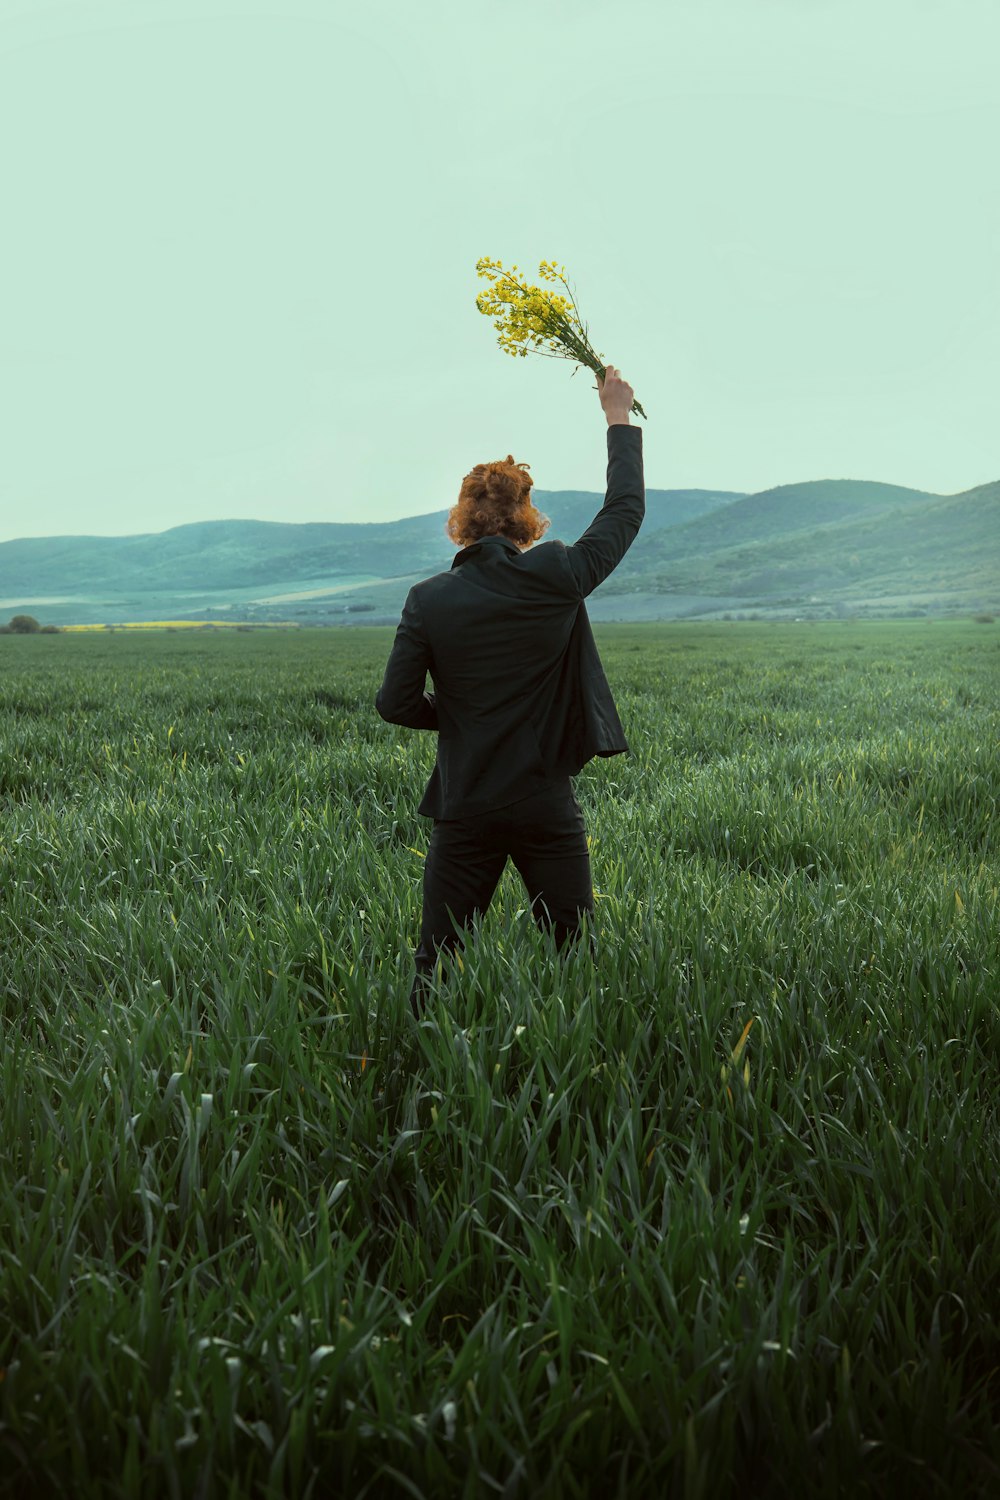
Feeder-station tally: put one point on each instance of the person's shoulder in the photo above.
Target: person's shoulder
(547, 553)
(549, 561)
(427, 592)
(547, 557)
(423, 587)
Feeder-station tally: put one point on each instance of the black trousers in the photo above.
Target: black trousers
(544, 835)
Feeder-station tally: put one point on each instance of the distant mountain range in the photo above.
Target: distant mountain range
(831, 546)
(839, 539)
(238, 554)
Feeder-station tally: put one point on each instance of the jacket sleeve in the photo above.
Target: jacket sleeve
(402, 699)
(613, 530)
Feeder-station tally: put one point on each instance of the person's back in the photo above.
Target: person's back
(520, 696)
(520, 700)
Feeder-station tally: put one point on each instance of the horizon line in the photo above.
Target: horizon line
(420, 515)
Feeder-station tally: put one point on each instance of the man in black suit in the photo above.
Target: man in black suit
(520, 700)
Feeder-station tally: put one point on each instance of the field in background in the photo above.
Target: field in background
(170, 625)
(713, 1211)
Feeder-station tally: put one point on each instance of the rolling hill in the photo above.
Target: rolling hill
(818, 548)
(842, 540)
(224, 555)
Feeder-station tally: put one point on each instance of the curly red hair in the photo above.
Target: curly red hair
(495, 500)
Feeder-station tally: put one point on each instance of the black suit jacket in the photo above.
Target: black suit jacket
(520, 696)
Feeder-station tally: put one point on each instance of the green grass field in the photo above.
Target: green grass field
(583, 1233)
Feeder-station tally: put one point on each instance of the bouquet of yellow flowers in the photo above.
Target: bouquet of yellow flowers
(530, 314)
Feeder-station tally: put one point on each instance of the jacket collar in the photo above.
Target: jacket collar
(489, 543)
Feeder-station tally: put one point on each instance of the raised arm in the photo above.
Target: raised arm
(614, 528)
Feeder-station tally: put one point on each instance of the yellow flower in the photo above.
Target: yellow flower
(525, 314)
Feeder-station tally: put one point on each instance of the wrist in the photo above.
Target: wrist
(618, 419)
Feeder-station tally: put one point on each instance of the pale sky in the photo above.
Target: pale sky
(240, 241)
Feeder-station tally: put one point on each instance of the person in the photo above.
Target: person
(521, 701)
